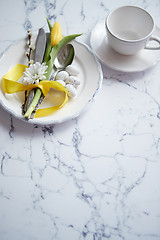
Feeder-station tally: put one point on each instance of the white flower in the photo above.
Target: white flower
(34, 73)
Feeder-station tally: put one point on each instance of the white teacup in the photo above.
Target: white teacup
(129, 29)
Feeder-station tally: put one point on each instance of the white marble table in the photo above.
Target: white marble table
(95, 177)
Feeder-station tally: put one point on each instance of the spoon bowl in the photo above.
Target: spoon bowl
(64, 57)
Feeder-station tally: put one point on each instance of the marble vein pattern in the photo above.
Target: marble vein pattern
(96, 177)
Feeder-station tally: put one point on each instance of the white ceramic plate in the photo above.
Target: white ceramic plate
(91, 80)
(136, 63)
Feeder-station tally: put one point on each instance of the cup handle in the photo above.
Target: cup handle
(156, 40)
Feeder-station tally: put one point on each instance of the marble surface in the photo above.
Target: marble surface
(96, 177)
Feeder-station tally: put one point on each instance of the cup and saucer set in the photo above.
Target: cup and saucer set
(127, 40)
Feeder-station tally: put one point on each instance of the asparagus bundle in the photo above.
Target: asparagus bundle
(54, 43)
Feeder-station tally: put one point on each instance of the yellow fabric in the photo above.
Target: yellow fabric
(10, 85)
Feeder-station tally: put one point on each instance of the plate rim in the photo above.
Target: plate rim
(116, 68)
(38, 121)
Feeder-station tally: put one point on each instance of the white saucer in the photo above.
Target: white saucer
(139, 62)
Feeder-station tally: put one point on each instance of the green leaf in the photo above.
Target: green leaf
(48, 48)
(61, 43)
(55, 50)
(49, 25)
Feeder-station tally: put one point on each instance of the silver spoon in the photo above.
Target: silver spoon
(64, 58)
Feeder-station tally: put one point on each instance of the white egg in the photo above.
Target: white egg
(61, 82)
(72, 70)
(75, 81)
(69, 80)
(71, 90)
(62, 75)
